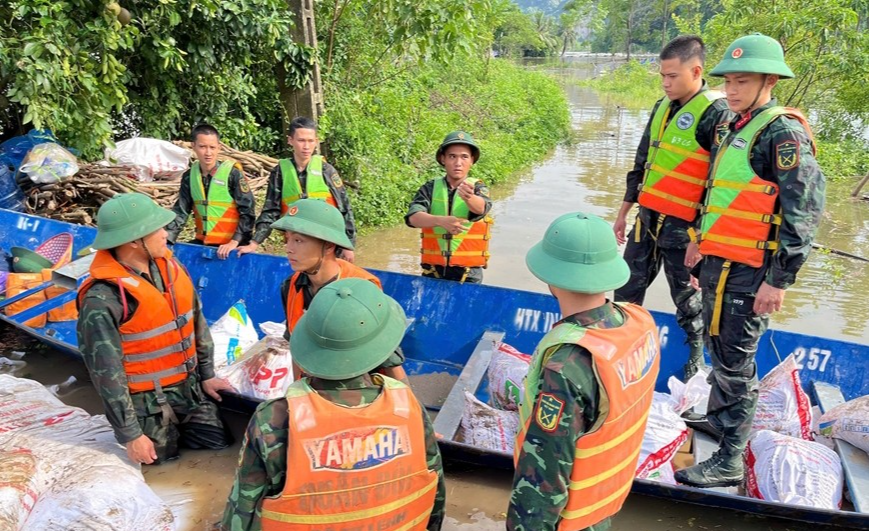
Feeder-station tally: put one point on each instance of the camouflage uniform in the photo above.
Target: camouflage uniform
(422, 203)
(262, 464)
(801, 199)
(540, 485)
(240, 191)
(663, 239)
(132, 415)
(304, 284)
(271, 211)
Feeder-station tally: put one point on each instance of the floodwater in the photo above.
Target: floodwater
(586, 175)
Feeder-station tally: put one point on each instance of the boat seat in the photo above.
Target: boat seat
(855, 462)
(450, 416)
(704, 446)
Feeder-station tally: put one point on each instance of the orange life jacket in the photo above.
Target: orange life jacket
(470, 248)
(626, 362)
(215, 213)
(677, 165)
(742, 215)
(353, 468)
(296, 300)
(157, 340)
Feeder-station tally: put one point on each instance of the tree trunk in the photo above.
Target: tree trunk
(666, 19)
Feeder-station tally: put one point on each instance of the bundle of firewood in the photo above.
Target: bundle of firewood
(78, 198)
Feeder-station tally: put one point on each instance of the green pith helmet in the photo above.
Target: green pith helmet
(27, 261)
(458, 137)
(126, 218)
(579, 253)
(317, 219)
(753, 54)
(350, 328)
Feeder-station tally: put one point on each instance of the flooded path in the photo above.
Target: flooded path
(588, 174)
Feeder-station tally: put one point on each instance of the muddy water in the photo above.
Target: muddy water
(586, 175)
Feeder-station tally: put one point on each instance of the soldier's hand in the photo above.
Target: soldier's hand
(224, 250)
(141, 450)
(692, 255)
(692, 280)
(245, 249)
(768, 299)
(452, 224)
(619, 229)
(465, 190)
(213, 385)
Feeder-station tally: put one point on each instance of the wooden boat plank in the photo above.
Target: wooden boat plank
(450, 415)
(855, 462)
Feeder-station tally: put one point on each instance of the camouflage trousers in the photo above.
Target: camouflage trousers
(200, 428)
(471, 275)
(733, 398)
(645, 259)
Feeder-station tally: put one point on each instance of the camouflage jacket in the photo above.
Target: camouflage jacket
(540, 483)
(422, 201)
(274, 195)
(781, 154)
(238, 188)
(262, 463)
(99, 340)
(711, 129)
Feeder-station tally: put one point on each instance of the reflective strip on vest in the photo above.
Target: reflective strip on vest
(470, 248)
(374, 457)
(626, 362)
(142, 378)
(180, 347)
(216, 214)
(168, 327)
(740, 219)
(677, 165)
(315, 185)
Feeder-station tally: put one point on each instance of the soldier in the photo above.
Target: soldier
(350, 329)
(760, 218)
(588, 390)
(668, 181)
(314, 234)
(144, 339)
(219, 196)
(305, 175)
(455, 230)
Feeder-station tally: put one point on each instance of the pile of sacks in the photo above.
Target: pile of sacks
(257, 368)
(62, 469)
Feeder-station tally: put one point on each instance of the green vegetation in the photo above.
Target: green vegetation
(384, 140)
(631, 85)
(397, 77)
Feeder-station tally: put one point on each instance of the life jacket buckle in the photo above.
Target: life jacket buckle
(181, 321)
(186, 343)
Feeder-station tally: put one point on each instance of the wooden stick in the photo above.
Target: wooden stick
(860, 186)
(838, 252)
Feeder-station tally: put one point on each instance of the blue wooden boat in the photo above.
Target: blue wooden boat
(452, 332)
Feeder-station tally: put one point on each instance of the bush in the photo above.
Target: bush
(383, 139)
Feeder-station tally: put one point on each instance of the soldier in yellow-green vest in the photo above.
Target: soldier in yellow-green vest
(218, 196)
(668, 181)
(760, 217)
(452, 212)
(304, 176)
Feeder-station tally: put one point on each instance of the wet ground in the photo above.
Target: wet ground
(586, 175)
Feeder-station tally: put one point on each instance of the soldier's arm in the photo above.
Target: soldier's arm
(99, 341)
(262, 467)
(271, 211)
(342, 198)
(481, 190)
(182, 208)
(801, 195)
(204, 343)
(245, 202)
(542, 477)
(418, 211)
(713, 124)
(634, 177)
(433, 459)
